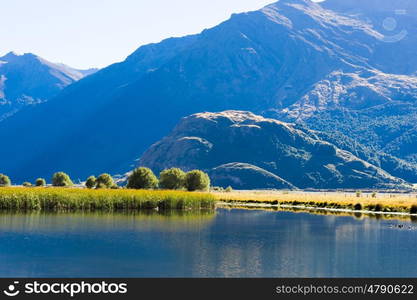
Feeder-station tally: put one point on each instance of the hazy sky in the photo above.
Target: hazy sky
(88, 33)
(96, 33)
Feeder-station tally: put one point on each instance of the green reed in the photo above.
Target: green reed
(73, 199)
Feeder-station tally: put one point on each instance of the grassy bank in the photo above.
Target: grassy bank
(73, 199)
(374, 202)
(338, 213)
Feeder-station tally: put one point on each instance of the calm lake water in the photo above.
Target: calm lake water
(229, 243)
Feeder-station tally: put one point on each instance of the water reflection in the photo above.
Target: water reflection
(230, 243)
(141, 221)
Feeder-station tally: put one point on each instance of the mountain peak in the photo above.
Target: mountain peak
(284, 4)
(294, 1)
(28, 80)
(14, 53)
(11, 54)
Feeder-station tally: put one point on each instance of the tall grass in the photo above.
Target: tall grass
(72, 199)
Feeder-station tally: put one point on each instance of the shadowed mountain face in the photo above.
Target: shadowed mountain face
(292, 58)
(30, 80)
(248, 151)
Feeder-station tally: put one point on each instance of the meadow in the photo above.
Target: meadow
(373, 202)
(77, 199)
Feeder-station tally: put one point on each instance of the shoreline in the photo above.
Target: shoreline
(348, 202)
(222, 204)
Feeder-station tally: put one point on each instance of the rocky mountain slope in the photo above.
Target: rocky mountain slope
(245, 151)
(30, 80)
(291, 58)
(374, 107)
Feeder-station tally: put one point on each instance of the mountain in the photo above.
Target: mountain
(276, 62)
(395, 20)
(246, 151)
(374, 107)
(393, 165)
(29, 80)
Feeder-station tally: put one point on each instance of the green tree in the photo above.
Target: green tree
(91, 182)
(61, 179)
(172, 179)
(142, 178)
(197, 180)
(40, 182)
(27, 184)
(4, 180)
(105, 181)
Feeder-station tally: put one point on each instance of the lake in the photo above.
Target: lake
(227, 243)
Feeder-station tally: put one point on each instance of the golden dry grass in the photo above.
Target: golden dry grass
(367, 201)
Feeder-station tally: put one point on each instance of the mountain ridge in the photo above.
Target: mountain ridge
(28, 80)
(231, 144)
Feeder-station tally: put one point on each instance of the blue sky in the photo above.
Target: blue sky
(96, 33)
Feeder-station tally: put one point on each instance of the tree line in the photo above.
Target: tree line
(140, 178)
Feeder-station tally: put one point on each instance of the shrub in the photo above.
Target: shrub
(413, 209)
(378, 207)
(142, 178)
(104, 181)
(217, 189)
(229, 189)
(358, 206)
(4, 180)
(27, 184)
(197, 181)
(172, 179)
(40, 182)
(61, 179)
(91, 182)
(373, 195)
(370, 207)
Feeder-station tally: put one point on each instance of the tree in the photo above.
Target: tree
(172, 179)
(4, 180)
(142, 178)
(91, 182)
(104, 181)
(27, 184)
(61, 179)
(40, 182)
(197, 181)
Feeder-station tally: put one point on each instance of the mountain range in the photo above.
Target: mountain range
(28, 80)
(346, 69)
